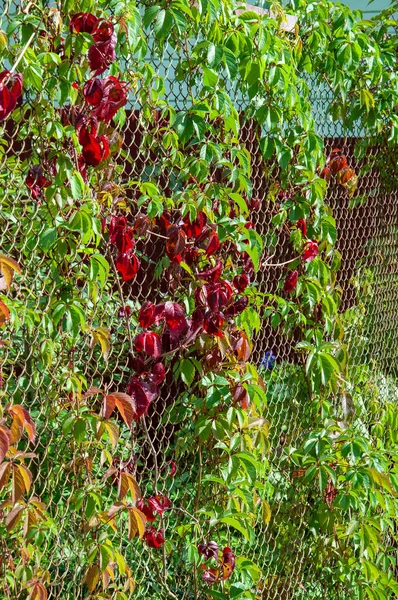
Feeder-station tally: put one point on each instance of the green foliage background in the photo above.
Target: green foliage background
(303, 484)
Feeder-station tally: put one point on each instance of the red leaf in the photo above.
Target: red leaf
(240, 395)
(114, 97)
(127, 265)
(194, 229)
(237, 307)
(175, 319)
(83, 23)
(10, 92)
(96, 149)
(345, 175)
(211, 275)
(209, 550)
(148, 511)
(175, 245)
(336, 161)
(213, 322)
(302, 225)
(153, 538)
(101, 55)
(5, 441)
(214, 244)
(160, 504)
(310, 251)
(93, 91)
(147, 316)
(326, 174)
(241, 282)
(158, 373)
(148, 342)
(290, 282)
(103, 31)
(218, 294)
(141, 399)
(227, 562)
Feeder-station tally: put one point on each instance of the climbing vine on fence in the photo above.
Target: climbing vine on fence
(137, 454)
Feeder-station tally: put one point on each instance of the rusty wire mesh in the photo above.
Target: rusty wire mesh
(41, 370)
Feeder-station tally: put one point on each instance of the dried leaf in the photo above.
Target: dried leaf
(5, 441)
(137, 522)
(38, 592)
(91, 578)
(128, 483)
(27, 422)
(14, 516)
(5, 471)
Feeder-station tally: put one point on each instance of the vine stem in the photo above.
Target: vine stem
(24, 49)
(282, 264)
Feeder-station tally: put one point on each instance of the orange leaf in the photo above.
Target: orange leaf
(38, 592)
(5, 470)
(137, 522)
(16, 429)
(4, 313)
(14, 516)
(123, 402)
(19, 411)
(5, 441)
(126, 483)
(21, 481)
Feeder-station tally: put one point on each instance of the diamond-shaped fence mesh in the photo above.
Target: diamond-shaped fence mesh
(48, 361)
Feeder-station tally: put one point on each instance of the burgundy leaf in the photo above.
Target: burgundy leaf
(302, 225)
(148, 511)
(124, 312)
(139, 365)
(336, 161)
(227, 562)
(148, 342)
(101, 55)
(175, 245)
(326, 174)
(160, 504)
(214, 244)
(10, 92)
(211, 275)
(36, 181)
(147, 316)
(240, 395)
(114, 97)
(93, 91)
(209, 550)
(194, 229)
(241, 282)
(173, 469)
(158, 373)
(175, 319)
(210, 575)
(213, 322)
(290, 282)
(140, 397)
(83, 23)
(190, 255)
(310, 251)
(255, 204)
(237, 307)
(154, 538)
(127, 265)
(103, 32)
(197, 319)
(217, 295)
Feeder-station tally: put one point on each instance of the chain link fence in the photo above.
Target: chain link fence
(43, 365)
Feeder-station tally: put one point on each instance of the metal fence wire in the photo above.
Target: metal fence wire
(47, 355)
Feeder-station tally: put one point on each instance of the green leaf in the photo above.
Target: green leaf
(48, 238)
(232, 522)
(77, 186)
(163, 24)
(187, 371)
